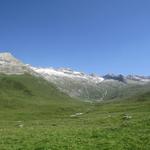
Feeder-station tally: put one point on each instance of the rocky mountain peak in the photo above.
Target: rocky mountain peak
(10, 65)
(119, 77)
(8, 58)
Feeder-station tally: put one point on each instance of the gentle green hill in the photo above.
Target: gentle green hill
(26, 95)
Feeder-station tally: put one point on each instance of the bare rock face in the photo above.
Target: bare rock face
(119, 77)
(8, 58)
(10, 65)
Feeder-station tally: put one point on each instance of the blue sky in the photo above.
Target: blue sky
(101, 36)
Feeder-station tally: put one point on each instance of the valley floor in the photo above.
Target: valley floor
(122, 125)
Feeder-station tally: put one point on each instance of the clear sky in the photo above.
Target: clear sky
(101, 36)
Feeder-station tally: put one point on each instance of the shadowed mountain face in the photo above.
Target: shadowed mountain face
(120, 77)
(77, 84)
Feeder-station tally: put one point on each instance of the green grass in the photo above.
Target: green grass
(29, 95)
(34, 115)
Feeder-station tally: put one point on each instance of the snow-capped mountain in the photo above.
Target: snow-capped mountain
(77, 84)
(138, 78)
(48, 73)
(81, 85)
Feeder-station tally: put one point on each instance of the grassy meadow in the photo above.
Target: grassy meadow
(34, 115)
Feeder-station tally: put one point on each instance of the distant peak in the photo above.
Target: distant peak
(8, 57)
(6, 54)
(119, 77)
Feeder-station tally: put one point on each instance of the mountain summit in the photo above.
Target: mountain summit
(8, 58)
(10, 65)
(74, 83)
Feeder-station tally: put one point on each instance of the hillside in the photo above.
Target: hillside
(26, 94)
(42, 123)
(93, 87)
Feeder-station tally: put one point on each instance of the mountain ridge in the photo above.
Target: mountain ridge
(76, 84)
(6, 57)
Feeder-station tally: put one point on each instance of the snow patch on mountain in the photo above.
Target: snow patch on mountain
(65, 72)
(138, 78)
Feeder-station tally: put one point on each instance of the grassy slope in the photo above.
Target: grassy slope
(31, 98)
(34, 115)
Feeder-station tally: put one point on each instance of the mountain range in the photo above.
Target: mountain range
(87, 87)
